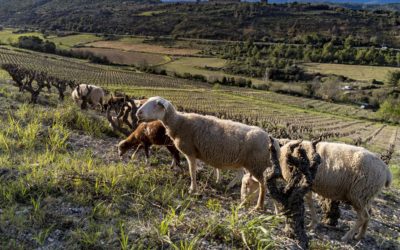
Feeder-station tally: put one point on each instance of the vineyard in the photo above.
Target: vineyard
(281, 115)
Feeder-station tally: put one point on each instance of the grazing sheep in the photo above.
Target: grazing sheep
(145, 135)
(346, 173)
(223, 144)
(94, 95)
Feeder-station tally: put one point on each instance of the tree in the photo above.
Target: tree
(349, 42)
(390, 110)
(393, 78)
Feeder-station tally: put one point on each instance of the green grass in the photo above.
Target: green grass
(395, 169)
(67, 42)
(357, 72)
(151, 13)
(7, 37)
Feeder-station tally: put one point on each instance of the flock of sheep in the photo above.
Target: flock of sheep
(344, 173)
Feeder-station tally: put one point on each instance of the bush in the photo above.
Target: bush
(390, 110)
(393, 78)
(36, 43)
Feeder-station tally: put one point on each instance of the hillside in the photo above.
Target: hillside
(274, 23)
(338, 1)
(63, 184)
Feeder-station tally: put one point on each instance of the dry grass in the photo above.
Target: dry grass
(357, 72)
(127, 57)
(139, 47)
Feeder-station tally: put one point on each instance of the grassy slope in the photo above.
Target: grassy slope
(63, 185)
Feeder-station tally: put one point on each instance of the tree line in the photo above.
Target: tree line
(252, 59)
(37, 44)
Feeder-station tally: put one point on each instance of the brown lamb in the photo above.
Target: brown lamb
(147, 134)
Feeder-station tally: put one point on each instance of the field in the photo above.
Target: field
(7, 36)
(127, 57)
(65, 184)
(357, 72)
(142, 47)
(67, 42)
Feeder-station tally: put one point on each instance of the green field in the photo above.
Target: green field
(67, 42)
(356, 72)
(151, 13)
(7, 36)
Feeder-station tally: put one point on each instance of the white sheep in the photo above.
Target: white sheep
(346, 173)
(223, 144)
(94, 95)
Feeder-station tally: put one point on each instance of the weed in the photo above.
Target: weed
(41, 237)
(214, 205)
(124, 238)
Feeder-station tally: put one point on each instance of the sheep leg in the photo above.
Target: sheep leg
(359, 222)
(261, 194)
(175, 153)
(192, 172)
(314, 219)
(238, 177)
(134, 153)
(146, 153)
(217, 174)
(365, 216)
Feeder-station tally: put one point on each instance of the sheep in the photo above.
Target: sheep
(91, 94)
(346, 173)
(145, 135)
(222, 144)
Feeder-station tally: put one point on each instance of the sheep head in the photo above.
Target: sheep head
(154, 109)
(125, 145)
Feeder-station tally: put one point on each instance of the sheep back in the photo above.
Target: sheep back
(221, 143)
(347, 173)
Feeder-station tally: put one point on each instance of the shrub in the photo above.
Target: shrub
(390, 110)
(393, 78)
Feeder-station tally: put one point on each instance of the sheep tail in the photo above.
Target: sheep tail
(388, 178)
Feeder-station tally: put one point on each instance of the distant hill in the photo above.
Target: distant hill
(338, 1)
(298, 23)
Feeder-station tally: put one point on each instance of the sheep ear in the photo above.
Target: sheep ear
(162, 103)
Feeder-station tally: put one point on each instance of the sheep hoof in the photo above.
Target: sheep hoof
(346, 238)
(256, 209)
(192, 191)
